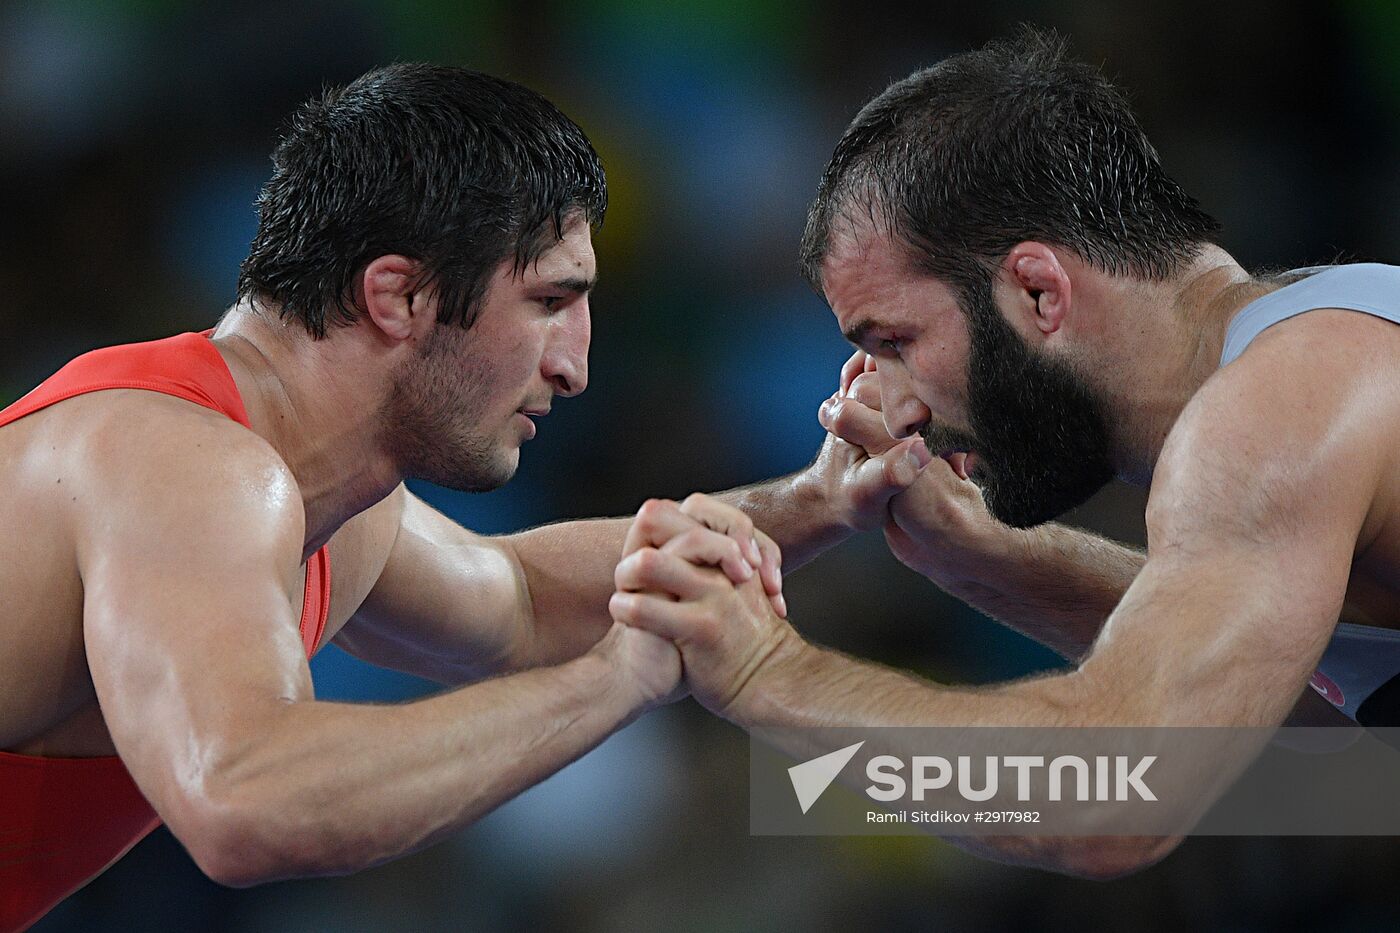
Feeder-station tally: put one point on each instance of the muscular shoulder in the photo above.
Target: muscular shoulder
(150, 464)
(1298, 430)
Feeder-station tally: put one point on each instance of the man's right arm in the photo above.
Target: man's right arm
(1054, 583)
(189, 552)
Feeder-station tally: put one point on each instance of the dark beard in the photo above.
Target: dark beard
(1038, 429)
(429, 414)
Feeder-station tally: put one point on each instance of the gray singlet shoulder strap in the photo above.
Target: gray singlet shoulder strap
(1371, 287)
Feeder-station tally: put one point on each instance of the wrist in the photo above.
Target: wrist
(608, 675)
(972, 551)
(817, 510)
(807, 494)
(769, 691)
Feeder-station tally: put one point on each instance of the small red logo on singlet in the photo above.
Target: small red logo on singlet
(1328, 688)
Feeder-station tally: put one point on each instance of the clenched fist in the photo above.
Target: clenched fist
(933, 516)
(860, 466)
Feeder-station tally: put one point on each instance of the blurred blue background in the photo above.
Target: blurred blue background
(134, 135)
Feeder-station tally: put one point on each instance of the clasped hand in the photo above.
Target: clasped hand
(933, 516)
(697, 577)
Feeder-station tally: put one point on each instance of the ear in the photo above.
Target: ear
(393, 297)
(1041, 282)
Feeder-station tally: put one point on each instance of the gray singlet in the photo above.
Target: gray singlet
(1360, 659)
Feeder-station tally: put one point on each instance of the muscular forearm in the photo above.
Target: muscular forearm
(568, 569)
(806, 686)
(333, 788)
(1055, 584)
(568, 574)
(806, 689)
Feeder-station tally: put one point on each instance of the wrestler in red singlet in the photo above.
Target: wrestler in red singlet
(64, 820)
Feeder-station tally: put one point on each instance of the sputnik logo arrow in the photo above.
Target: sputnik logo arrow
(811, 778)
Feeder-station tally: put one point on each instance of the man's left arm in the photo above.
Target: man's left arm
(455, 606)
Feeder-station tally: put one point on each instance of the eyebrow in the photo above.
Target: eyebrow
(857, 332)
(576, 284)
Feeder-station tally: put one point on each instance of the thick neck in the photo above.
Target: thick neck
(1165, 342)
(318, 403)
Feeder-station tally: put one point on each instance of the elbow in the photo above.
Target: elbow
(1107, 858)
(226, 857)
(234, 849)
(244, 843)
(230, 867)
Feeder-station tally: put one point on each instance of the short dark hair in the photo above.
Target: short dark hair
(451, 167)
(1015, 141)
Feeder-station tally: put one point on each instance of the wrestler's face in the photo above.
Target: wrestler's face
(1034, 431)
(462, 408)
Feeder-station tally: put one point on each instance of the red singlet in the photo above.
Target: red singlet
(65, 820)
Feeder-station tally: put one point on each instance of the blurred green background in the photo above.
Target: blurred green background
(134, 136)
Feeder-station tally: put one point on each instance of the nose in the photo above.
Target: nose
(903, 413)
(565, 363)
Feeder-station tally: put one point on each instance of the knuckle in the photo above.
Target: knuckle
(862, 496)
(709, 628)
(844, 417)
(895, 468)
(647, 561)
(693, 539)
(655, 513)
(701, 624)
(623, 608)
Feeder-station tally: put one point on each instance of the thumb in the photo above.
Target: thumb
(892, 472)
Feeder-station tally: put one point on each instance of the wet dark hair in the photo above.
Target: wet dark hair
(1015, 141)
(453, 168)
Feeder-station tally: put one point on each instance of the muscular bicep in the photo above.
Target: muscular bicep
(189, 565)
(1228, 639)
(449, 604)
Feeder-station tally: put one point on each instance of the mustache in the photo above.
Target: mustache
(940, 438)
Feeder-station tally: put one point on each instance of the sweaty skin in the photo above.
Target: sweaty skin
(1272, 512)
(154, 594)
